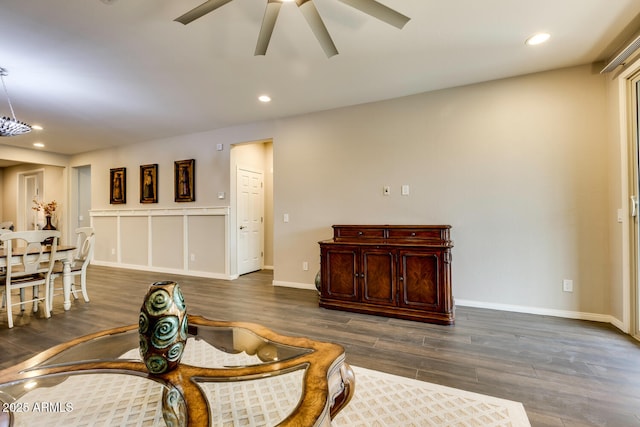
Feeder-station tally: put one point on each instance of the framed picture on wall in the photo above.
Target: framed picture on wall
(184, 178)
(118, 186)
(149, 183)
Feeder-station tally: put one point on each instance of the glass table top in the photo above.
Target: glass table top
(231, 373)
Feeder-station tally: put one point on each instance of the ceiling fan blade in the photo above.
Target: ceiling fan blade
(203, 9)
(380, 11)
(314, 20)
(268, 23)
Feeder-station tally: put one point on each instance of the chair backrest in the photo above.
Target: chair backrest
(85, 242)
(2, 231)
(28, 244)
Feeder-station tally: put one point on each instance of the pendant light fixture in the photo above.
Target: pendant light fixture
(10, 126)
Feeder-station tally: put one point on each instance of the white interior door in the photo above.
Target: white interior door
(32, 191)
(30, 188)
(250, 200)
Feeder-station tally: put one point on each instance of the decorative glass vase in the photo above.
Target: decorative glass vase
(162, 327)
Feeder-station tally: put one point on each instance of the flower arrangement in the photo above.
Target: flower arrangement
(48, 208)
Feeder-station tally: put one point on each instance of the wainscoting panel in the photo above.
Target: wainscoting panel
(134, 250)
(106, 229)
(207, 236)
(191, 241)
(167, 248)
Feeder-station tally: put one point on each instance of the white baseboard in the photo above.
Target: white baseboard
(194, 273)
(605, 318)
(297, 285)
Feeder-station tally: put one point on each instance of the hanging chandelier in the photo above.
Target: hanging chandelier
(10, 126)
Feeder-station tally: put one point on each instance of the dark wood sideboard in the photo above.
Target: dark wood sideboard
(401, 271)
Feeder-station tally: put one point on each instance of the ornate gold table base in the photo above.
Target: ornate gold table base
(328, 385)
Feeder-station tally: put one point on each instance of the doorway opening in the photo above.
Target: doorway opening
(250, 214)
(252, 206)
(81, 195)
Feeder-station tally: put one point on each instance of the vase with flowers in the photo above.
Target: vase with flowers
(48, 209)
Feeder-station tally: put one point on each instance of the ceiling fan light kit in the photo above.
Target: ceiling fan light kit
(311, 15)
(10, 126)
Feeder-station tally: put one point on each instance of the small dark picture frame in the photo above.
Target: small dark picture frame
(118, 186)
(149, 183)
(184, 179)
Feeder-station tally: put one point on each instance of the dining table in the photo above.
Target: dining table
(64, 254)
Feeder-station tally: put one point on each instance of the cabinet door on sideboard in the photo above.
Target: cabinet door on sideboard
(421, 286)
(341, 272)
(378, 276)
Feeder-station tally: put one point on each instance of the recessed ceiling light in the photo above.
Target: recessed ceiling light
(537, 39)
(36, 127)
(38, 144)
(264, 98)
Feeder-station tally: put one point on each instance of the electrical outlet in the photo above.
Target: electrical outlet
(567, 285)
(386, 190)
(113, 251)
(193, 257)
(305, 266)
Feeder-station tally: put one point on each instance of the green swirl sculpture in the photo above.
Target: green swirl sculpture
(162, 326)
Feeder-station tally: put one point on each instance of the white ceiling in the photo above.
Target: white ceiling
(98, 73)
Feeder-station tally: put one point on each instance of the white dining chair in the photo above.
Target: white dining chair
(82, 258)
(31, 267)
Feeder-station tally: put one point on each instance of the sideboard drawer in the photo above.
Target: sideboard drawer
(434, 234)
(358, 233)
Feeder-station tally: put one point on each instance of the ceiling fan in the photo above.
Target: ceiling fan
(309, 11)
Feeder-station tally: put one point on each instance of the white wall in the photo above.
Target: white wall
(519, 167)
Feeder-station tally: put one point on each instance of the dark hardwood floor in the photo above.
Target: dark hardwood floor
(566, 372)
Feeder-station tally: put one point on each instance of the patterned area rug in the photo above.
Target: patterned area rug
(388, 400)
(380, 400)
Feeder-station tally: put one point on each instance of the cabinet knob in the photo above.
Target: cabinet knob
(360, 233)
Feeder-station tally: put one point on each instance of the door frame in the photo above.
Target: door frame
(23, 205)
(628, 104)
